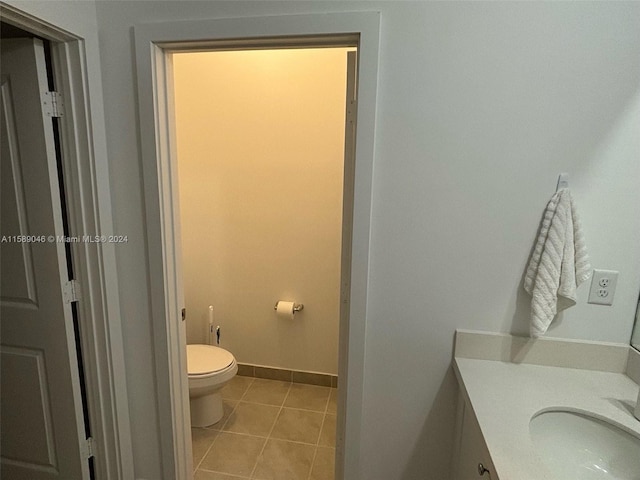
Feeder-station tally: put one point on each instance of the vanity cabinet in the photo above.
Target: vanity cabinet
(471, 459)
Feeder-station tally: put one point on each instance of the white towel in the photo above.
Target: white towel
(559, 263)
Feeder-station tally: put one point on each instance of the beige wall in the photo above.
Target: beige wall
(260, 154)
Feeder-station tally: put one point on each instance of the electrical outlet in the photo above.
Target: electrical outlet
(603, 287)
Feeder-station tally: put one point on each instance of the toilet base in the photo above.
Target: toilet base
(206, 410)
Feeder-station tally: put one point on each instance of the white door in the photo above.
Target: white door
(41, 424)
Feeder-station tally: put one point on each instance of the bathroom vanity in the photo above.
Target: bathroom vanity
(473, 459)
(506, 382)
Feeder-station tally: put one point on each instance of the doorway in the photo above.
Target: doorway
(155, 44)
(261, 155)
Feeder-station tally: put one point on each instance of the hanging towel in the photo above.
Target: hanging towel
(559, 263)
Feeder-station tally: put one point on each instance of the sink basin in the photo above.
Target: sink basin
(578, 446)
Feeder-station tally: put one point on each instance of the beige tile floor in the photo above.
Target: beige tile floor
(271, 430)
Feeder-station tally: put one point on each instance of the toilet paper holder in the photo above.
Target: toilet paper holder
(296, 306)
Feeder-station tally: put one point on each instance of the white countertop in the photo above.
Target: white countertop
(505, 396)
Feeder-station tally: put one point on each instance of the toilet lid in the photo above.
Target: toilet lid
(203, 359)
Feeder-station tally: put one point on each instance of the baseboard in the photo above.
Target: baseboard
(295, 376)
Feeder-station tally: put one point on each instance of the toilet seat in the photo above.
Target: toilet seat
(205, 360)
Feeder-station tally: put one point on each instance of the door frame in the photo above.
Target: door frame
(89, 213)
(154, 44)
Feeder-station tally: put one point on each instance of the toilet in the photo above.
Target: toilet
(210, 368)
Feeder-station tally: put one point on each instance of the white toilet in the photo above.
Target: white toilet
(209, 369)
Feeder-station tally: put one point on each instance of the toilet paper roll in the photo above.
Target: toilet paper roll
(285, 310)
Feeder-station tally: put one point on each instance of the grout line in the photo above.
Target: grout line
(245, 434)
(221, 427)
(230, 475)
(313, 461)
(326, 406)
(207, 452)
(315, 451)
(253, 472)
(271, 438)
(324, 419)
(226, 474)
(247, 389)
(273, 405)
(321, 412)
(236, 405)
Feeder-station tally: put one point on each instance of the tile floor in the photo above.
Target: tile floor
(271, 430)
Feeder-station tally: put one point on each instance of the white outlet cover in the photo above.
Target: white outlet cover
(603, 287)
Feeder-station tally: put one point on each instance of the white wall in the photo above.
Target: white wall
(480, 106)
(260, 139)
(635, 338)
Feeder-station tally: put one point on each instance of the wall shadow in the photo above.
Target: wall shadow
(431, 455)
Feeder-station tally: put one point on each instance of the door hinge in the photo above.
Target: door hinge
(71, 291)
(352, 108)
(53, 105)
(87, 448)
